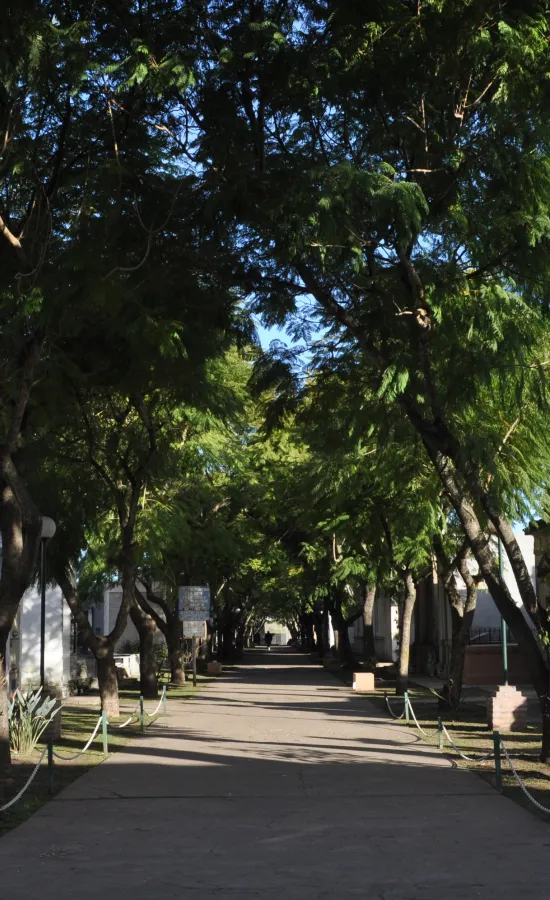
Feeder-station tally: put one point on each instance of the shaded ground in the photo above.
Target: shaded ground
(276, 782)
(79, 718)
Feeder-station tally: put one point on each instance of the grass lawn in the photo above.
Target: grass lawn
(471, 734)
(79, 718)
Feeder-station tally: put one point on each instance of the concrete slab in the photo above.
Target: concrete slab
(277, 782)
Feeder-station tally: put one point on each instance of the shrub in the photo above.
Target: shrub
(161, 657)
(29, 716)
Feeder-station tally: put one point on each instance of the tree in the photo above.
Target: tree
(75, 169)
(462, 610)
(191, 528)
(391, 167)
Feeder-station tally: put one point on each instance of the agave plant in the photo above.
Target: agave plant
(29, 715)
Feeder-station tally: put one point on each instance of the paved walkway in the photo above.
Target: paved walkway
(277, 783)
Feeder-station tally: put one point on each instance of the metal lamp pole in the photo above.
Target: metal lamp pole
(503, 625)
(48, 531)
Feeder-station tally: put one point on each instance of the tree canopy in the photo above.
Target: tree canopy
(373, 179)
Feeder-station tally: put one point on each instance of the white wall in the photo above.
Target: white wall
(385, 629)
(111, 605)
(281, 634)
(57, 639)
(486, 614)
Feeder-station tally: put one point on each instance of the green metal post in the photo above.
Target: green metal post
(406, 698)
(498, 765)
(503, 625)
(440, 732)
(104, 732)
(141, 715)
(50, 766)
(164, 699)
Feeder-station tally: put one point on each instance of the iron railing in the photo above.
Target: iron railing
(485, 636)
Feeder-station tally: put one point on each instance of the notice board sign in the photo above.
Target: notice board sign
(194, 628)
(192, 598)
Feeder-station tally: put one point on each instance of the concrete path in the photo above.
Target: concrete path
(277, 783)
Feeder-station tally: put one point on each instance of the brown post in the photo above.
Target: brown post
(194, 659)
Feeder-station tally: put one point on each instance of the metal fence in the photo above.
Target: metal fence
(486, 636)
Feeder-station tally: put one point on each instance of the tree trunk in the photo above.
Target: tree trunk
(228, 642)
(545, 747)
(5, 758)
(452, 689)
(20, 525)
(209, 644)
(345, 650)
(462, 614)
(177, 666)
(108, 683)
(319, 629)
(488, 567)
(175, 653)
(239, 643)
(341, 626)
(369, 645)
(326, 629)
(405, 633)
(307, 636)
(294, 633)
(146, 629)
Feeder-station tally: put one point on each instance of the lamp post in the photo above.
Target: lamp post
(503, 625)
(48, 531)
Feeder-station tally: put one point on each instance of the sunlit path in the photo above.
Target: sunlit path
(277, 782)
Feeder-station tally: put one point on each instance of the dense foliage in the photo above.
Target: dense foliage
(373, 178)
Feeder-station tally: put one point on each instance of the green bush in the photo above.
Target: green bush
(29, 716)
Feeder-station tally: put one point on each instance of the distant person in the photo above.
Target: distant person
(268, 639)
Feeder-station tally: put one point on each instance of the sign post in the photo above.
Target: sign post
(194, 610)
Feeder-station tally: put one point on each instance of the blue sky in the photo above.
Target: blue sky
(267, 335)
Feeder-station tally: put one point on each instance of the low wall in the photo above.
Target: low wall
(483, 665)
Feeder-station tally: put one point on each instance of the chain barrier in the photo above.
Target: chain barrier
(474, 759)
(390, 710)
(159, 704)
(445, 732)
(133, 714)
(23, 789)
(80, 752)
(530, 797)
(61, 756)
(128, 720)
(463, 755)
(411, 710)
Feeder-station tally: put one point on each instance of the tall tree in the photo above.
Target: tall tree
(391, 166)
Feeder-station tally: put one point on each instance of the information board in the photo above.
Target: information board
(194, 599)
(194, 628)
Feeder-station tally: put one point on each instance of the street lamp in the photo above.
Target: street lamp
(504, 634)
(48, 531)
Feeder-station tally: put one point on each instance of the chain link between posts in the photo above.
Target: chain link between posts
(429, 736)
(489, 755)
(411, 710)
(80, 752)
(128, 720)
(390, 710)
(133, 715)
(529, 796)
(155, 711)
(73, 756)
(23, 789)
